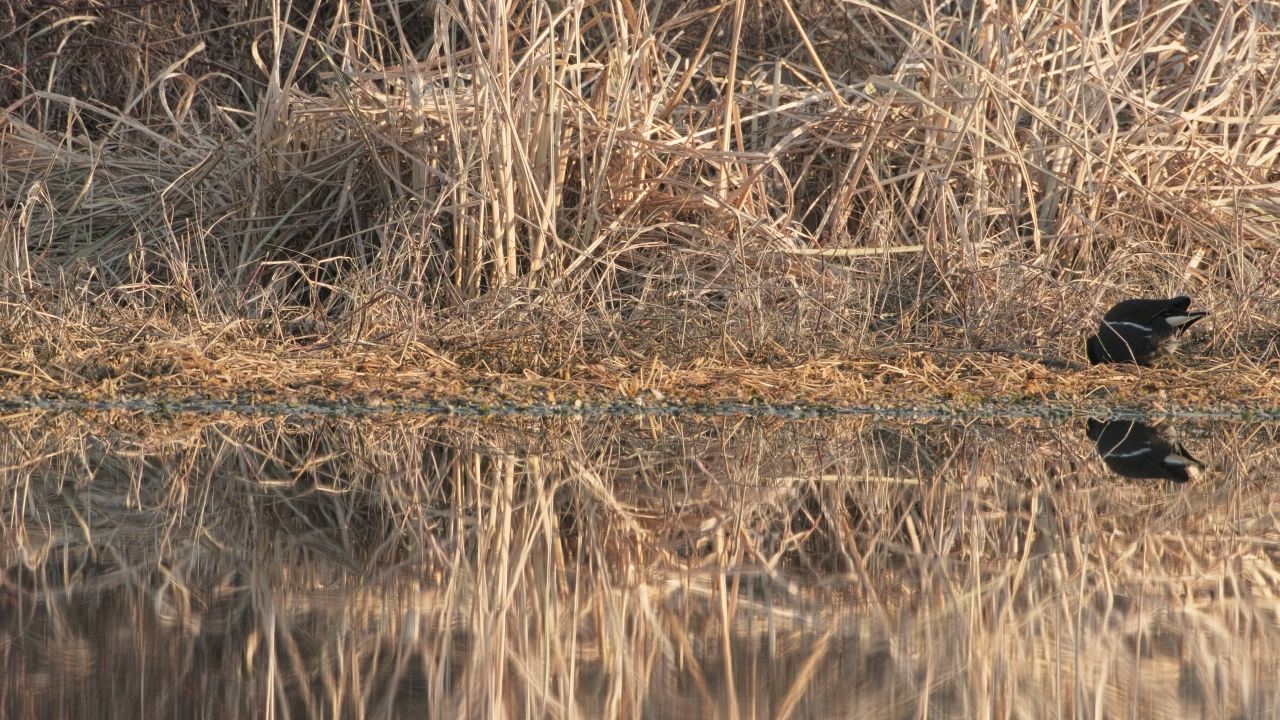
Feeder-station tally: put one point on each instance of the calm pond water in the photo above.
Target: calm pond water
(657, 567)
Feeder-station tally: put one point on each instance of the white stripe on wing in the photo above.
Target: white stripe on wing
(1130, 454)
(1122, 323)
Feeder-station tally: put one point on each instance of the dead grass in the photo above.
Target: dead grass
(818, 202)
(235, 362)
(748, 184)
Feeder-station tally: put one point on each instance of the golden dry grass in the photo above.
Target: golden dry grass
(237, 364)
(900, 205)
(527, 187)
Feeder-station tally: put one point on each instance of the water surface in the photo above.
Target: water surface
(643, 566)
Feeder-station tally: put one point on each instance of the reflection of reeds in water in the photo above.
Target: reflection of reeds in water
(574, 568)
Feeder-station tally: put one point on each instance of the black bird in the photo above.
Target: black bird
(1135, 331)
(1138, 450)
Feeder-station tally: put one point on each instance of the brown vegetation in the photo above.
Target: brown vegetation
(886, 204)
(531, 187)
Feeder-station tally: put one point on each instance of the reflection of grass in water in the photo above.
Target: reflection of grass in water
(589, 568)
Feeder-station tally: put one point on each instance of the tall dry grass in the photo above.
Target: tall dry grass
(749, 180)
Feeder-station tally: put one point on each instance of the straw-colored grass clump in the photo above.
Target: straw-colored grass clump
(530, 186)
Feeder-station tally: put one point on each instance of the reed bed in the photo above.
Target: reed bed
(893, 204)
(569, 568)
(531, 187)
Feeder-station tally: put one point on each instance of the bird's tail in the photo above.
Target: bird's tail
(1183, 321)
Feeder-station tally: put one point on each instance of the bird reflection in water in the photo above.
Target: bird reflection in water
(1137, 450)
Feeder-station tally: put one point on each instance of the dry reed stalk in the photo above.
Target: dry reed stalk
(611, 175)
